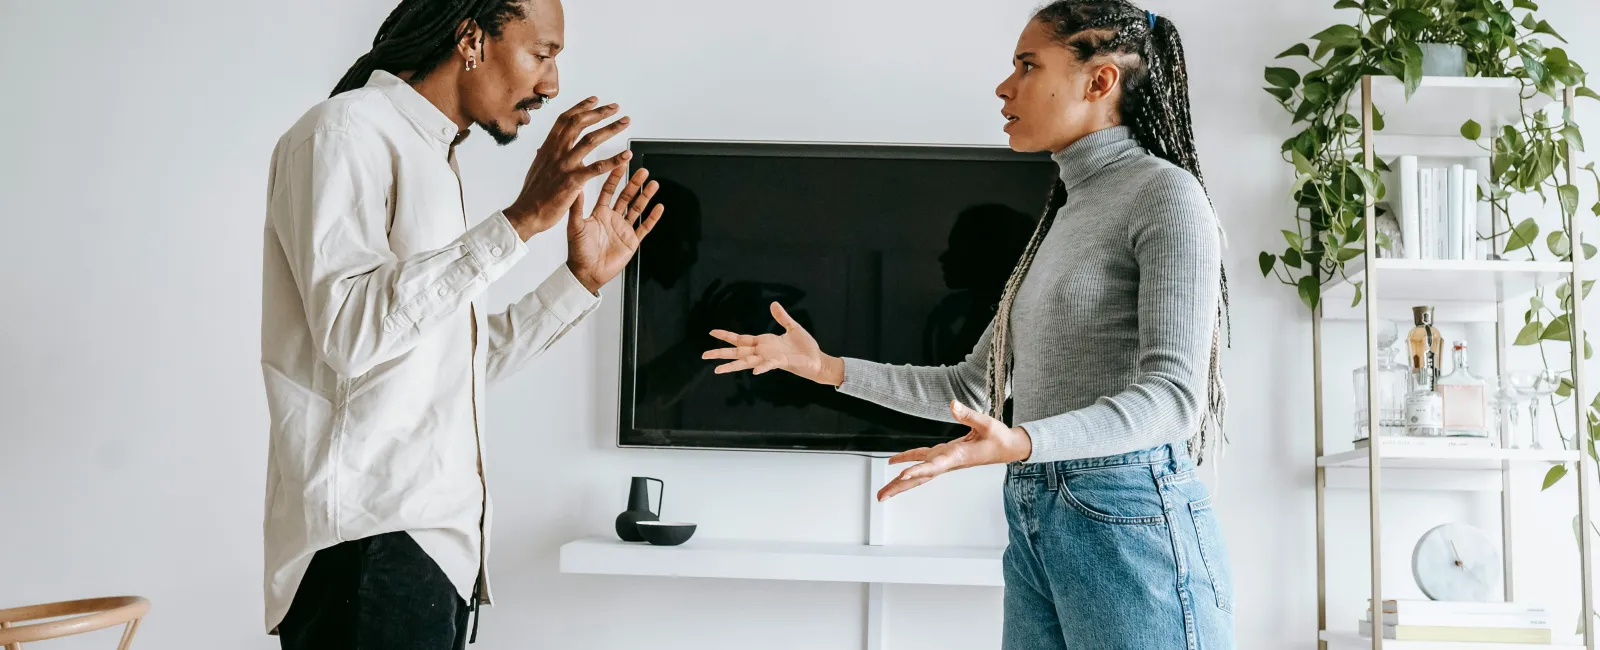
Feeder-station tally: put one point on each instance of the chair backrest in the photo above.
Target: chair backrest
(82, 616)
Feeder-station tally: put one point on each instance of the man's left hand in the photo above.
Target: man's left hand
(988, 443)
(599, 247)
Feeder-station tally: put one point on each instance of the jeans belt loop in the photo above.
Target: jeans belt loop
(1051, 479)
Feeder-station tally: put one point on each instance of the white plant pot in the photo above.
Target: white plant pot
(1443, 60)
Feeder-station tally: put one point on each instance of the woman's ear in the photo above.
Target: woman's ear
(1104, 79)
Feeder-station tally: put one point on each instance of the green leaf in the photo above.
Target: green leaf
(1585, 91)
(1339, 35)
(1536, 70)
(1559, 245)
(1268, 260)
(1523, 235)
(1292, 258)
(1377, 119)
(1293, 238)
(1525, 4)
(1349, 253)
(1283, 77)
(1357, 299)
(1565, 389)
(1529, 334)
(1411, 19)
(1544, 28)
(1559, 329)
(1587, 285)
(1573, 136)
(1303, 165)
(1283, 94)
(1349, 122)
(1310, 291)
(1569, 199)
(1316, 92)
(1588, 251)
(1554, 476)
(1299, 49)
(1413, 77)
(1472, 130)
(1348, 4)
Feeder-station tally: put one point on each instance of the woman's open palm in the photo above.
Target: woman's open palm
(794, 351)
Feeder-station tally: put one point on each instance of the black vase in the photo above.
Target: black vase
(639, 508)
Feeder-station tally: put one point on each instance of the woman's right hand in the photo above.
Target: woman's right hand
(794, 351)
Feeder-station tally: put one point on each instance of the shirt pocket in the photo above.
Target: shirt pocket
(1123, 495)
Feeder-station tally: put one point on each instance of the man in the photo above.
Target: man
(374, 351)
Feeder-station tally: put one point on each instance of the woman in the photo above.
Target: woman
(1105, 341)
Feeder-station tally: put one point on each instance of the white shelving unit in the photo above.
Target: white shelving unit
(1461, 291)
(753, 560)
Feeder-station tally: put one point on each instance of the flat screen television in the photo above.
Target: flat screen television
(890, 253)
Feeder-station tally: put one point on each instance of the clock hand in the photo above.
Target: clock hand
(1456, 553)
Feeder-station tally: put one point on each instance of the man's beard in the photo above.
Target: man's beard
(501, 137)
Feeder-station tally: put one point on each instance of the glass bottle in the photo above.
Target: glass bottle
(1465, 397)
(1424, 405)
(1426, 344)
(1393, 383)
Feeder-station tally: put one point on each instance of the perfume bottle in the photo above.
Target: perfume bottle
(1426, 344)
(1393, 383)
(1424, 407)
(1465, 396)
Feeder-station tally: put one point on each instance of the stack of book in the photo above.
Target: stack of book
(1437, 211)
(1442, 442)
(1440, 621)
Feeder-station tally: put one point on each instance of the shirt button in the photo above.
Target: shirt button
(444, 131)
(496, 251)
(443, 291)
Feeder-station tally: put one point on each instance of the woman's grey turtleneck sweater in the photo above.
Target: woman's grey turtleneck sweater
(1112, 327)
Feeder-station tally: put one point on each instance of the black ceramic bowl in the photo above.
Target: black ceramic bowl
(665, 533)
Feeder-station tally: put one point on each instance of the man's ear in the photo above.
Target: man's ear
(469, 42)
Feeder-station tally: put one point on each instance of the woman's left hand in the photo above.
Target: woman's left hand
(989, 442)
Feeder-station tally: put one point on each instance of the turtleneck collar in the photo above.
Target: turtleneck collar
(1092, 153)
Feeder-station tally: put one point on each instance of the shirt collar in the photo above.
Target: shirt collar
(1094, 152)
(416, 108)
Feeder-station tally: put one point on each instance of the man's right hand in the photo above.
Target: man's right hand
(558, 172)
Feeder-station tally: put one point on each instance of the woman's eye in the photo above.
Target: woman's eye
(1026, 66)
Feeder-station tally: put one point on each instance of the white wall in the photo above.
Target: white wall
(136, 141)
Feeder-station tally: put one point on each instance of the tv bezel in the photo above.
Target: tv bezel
(643, 148)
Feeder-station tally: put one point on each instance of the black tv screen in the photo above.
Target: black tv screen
(890, 253)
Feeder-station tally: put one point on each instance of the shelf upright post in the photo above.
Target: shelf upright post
(1580, 423)
(1321, 476)
(1374, 482)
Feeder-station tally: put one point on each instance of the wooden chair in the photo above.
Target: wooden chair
(84, 616)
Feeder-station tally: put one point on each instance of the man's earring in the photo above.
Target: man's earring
(472, 62)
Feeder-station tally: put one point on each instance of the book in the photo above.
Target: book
(1455, 212)
(1444, 619)
(1461, 634)
(1441, 208)
(1410, 215)
(1411, 442)
(1426, 223)
(1420, 606)
(1469, 200)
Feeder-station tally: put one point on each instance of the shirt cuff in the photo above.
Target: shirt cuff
(495, 246)
(565, 296)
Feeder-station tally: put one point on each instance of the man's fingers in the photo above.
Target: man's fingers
(608, 192)
(637, 205)
(630, 191)
(900, 485)
(597, 137)
(602, 166)
(649, 222)
(967, 416)
(768, 365)
(911, 456)
(569, 127)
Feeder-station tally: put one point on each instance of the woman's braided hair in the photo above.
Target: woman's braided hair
(1155, 107)
(420, 34)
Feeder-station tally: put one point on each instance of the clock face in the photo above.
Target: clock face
(1457, 562)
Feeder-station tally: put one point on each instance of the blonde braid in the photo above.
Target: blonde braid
(1000, 342)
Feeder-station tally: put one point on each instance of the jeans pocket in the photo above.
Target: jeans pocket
(1213, 552)
(1125, 494)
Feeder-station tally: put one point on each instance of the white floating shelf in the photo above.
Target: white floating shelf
(1442, 104)
(1455, 458)
(758, 560)
(1353, 641)
(1460, 290)
(1389, 146)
